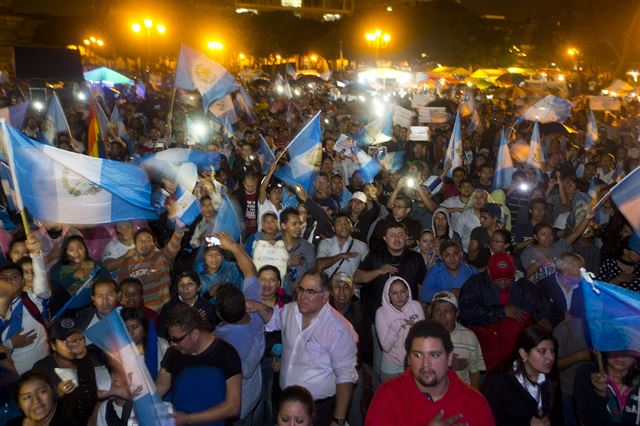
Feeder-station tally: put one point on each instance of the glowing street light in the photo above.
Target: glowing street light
(572, 51)
(215, 45)
(161, 29)
(314, 58)
(92, 39)
(135, 28)
(148, 23)
(378, 40)
(100, 42)
(86, 41)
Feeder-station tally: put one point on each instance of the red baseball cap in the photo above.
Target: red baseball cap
(501, 266)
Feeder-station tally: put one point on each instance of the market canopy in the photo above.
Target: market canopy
(104, 75)
(618, 87)
(487, 73)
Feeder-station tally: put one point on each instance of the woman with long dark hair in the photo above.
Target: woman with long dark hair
(523, 393)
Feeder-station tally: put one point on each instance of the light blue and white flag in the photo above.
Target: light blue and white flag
(187, 206)
(536, 157)
(305, 155)
(474, 123)
(228, 220)
(291, 73)
(110, 334)
(626, 196)
(391, 161)
(156, 163)
(224, 109)
(195, 71)
(103, 121)
(504, 165)
(65, 187)
(379, 130)
(82, 297)
(369, 167)
(591, 135)
(243, 102)
(55, 121)
(454, 149)
(15, 114)
(227, 130)
(116, 122)
(612, 315)
(550, 108)
(7, 186)
(266, 153)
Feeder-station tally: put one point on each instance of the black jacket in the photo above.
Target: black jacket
(480, 300)
(201, 304)
(512, 405)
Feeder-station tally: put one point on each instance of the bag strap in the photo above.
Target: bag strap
(342, 260)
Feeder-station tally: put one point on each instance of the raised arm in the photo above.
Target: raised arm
(243, 260)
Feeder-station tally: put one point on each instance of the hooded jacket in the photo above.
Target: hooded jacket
(391, 325)
(446, 214)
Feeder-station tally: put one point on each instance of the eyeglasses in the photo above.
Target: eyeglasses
(177, 340)
(300, 291)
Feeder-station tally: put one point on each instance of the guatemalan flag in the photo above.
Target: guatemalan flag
(110, 335)
(627, 197)
(266, 154)
(379, 130)
(504, 165)
(204, 160)
(305, 155)
(186, 206)
(612, 314)
(65, 187)
(228, 219)
(55, 121)
(591, 135)
(391, 161)
(369, 167)
(535, 158)
(195, 71)
(454, 149)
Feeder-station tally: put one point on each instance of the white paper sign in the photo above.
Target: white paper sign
(402, 116)
(343, 145)
(421, 99)
(265, 253)
(432, 115)
(419, 133)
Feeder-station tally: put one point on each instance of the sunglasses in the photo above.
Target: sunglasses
(177, 340)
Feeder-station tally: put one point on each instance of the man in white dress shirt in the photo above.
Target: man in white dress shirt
(319, 348)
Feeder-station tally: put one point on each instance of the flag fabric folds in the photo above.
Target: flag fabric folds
(612, 314)
(116, 122)
(110, 335)
(504, 165)
(82, 296)
(227, 219)
(627, 197)
(454, 149)
(266, 153)
(535, 158)
(379, 130)
(55, 121)
(305, 155)
(195, 71)
(391, 161)
(369, 167)
(15, 114)
(591, 135)
(156, 162)
(550, 108)
(65, 187)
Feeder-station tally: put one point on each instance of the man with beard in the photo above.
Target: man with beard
(428, 392)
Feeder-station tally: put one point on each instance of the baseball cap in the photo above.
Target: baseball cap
(492, 209)
(445, 296)
(501, 267)
(63, 328)
(342, 277)
(359, 195)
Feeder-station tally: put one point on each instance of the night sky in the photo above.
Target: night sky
(511, 9)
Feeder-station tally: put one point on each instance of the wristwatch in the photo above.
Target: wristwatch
(340, 422)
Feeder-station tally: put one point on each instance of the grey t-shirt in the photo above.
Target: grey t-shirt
(531, 254)
(571, 339)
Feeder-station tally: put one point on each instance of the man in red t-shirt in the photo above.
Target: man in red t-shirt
(428, 392)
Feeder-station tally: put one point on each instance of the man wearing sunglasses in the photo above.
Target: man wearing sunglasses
(318, 347)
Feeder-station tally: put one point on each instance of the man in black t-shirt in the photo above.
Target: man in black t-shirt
(192, 345)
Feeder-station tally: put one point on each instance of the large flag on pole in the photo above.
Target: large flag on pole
(110, 335)
(66, 187)
(195, 71)
(116, 122)
(55, 121)
(591, 135)
(627, 197)
(266, 153)
(535, 158)
(305, 155)
(454, 149)
(612, 314)
(504, 165)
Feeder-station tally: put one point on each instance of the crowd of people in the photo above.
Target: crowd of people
(358, 301)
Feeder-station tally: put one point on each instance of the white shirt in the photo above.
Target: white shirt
(467, 221)
(318, 357)
(330, 247)
(532, 389)
(25, 357)
(115, 249)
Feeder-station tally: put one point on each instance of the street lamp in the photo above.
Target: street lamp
(93, 41)
(378, 40)
(148, 27)
(135, 28)
(215, 45)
